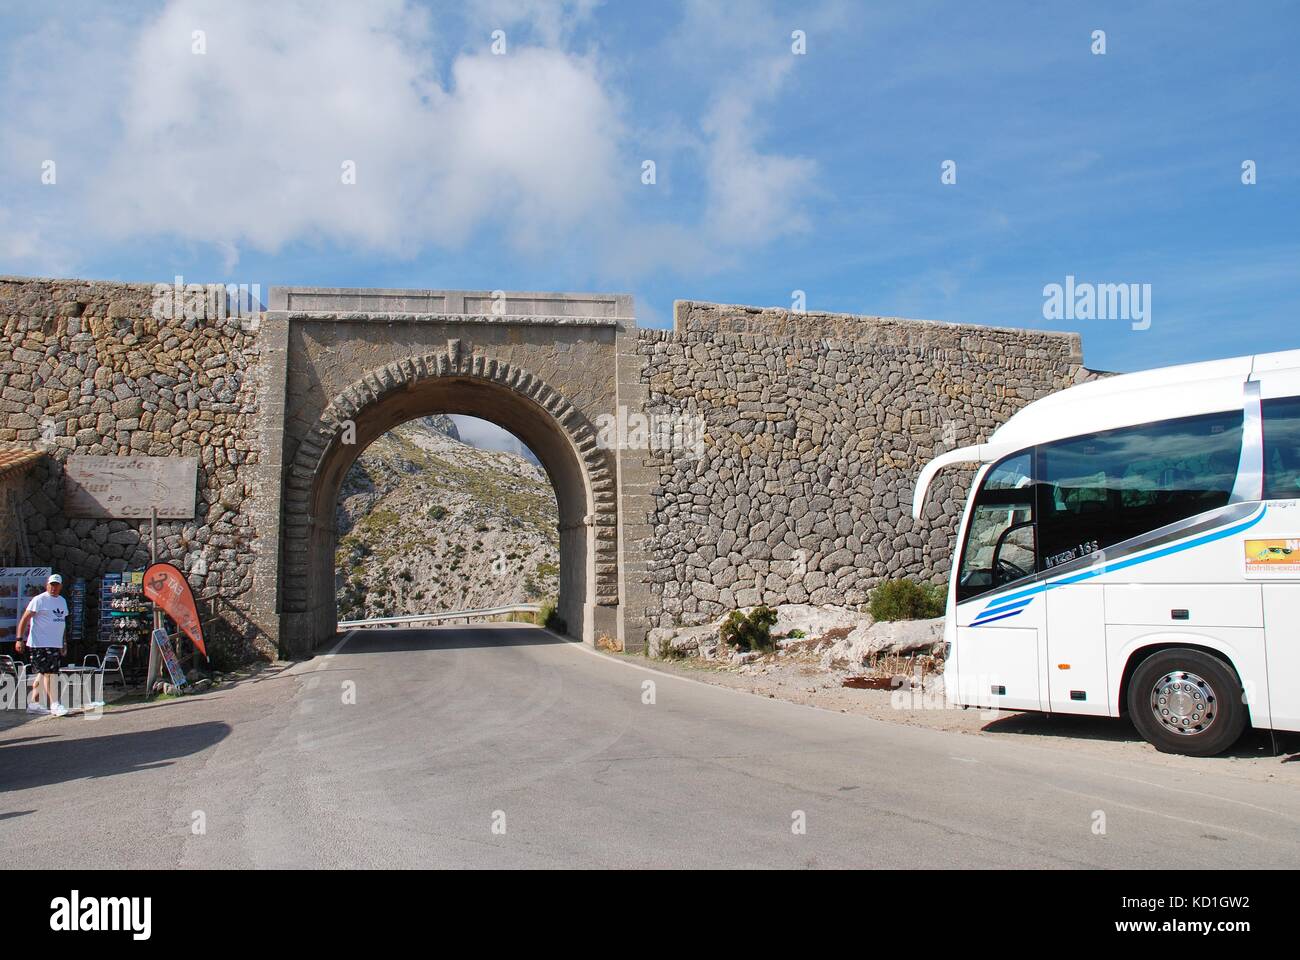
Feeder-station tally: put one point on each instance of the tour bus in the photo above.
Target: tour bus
(1131, 546)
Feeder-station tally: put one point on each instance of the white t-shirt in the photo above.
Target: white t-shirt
(49, 614)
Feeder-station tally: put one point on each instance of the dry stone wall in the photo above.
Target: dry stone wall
(85, 368)
(815, 429)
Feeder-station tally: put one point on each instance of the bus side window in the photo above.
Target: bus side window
(1105, 488)
(1282, 449)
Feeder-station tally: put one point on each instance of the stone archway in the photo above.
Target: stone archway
(455, 382)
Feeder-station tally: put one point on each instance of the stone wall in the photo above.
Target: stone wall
(816, 427)
(86, 369)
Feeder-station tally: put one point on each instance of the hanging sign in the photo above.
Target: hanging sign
(130, 487)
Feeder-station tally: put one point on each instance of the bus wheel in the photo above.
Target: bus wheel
(1185, 701)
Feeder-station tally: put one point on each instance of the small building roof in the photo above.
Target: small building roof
(14, 459)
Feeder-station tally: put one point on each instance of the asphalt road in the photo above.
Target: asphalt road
(455, 731)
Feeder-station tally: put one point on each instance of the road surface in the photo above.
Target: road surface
(501, 746)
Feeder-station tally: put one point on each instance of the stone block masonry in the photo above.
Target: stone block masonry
(816, 427)
(86, 369)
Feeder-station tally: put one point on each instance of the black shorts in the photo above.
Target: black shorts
(46, 659)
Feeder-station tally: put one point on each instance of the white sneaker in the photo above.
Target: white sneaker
(59, 710)
(35, 707)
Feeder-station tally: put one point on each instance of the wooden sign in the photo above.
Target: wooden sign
(130, 487)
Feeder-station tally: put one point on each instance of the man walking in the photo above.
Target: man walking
(46, 617)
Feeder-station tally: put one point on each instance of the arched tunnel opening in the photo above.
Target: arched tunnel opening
(569, 568)
(447, 513)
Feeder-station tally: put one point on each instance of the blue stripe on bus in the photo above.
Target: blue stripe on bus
(1032, 592)
(1013, 613)
(998, 607)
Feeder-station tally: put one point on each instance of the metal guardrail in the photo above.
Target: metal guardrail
(445, 615)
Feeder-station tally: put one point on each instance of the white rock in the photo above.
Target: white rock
(688, 639)
(658, 639)
(895, 637)
(814, 620)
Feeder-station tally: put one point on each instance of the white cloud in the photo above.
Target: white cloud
(243, 147)
(533, 140)
(245, 144)
(754, 196)
(550, 20)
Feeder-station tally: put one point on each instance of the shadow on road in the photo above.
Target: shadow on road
(1254, 743)
(28, 764)
(448, 638)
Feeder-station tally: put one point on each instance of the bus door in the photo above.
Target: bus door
(1000, 625)
(1099, 494)
(1075, 502)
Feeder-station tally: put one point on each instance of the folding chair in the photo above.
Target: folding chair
(15, 668)
(18, 669)
(112, 662)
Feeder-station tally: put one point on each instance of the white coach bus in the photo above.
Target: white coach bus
(1132, 547)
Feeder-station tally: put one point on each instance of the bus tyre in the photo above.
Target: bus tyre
(1186, 701)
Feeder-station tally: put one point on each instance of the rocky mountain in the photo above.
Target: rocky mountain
(427, 523)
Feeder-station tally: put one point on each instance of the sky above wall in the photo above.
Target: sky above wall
(214, 139)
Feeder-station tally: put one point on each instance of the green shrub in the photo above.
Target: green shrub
(753, 632)
(907, 600)
(548, 617)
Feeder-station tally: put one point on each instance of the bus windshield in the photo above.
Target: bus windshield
(1000, 543)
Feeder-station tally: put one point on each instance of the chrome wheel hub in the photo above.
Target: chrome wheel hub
(1184, 703)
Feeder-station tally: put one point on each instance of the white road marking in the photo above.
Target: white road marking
(335, 649)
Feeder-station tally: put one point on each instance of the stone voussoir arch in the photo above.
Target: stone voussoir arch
(315, 449)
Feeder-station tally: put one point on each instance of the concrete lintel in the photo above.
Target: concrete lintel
(492, 304)
(469, 319)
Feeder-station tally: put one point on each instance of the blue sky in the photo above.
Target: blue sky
(775, 172)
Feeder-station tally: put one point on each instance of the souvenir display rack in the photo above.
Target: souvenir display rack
(76, 597)
(125, 616)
